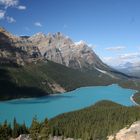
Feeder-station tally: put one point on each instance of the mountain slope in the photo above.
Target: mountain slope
(43, 64)
(45, 78)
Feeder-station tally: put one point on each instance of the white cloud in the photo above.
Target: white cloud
(123, 58)
(130, 55)
(10, 19)
(38, 24)
(12, 3)
(21, 7)
(9, 3)
(117, 48)
(7, 18)
(2, 14)
(112, 61)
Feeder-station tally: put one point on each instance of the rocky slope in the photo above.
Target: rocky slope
(63, 50)
(26, 137)
(54, 47)
(16, 50)
(131, 133)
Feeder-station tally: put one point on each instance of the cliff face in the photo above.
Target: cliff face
(63, 50)
(17, 50)
(54, 47)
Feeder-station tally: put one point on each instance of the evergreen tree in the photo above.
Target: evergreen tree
(44, 133)
(95, 122)
(35, 129)
(5, 131)
(16, 129)
(24, 129)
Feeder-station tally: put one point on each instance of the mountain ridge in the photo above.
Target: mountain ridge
(54, 47)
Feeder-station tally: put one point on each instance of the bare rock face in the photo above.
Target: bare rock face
(131, 133)
(27, 137)
(22, 137)
(54, 47)
(17, 50)
(61, 49)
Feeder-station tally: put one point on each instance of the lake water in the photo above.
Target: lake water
(50, 106)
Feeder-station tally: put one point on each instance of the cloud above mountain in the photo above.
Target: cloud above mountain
(38, 24)
(21, 7)
(5, 4)
(10, 19)
(9, 3)
(123, 58)
(130, 56)
(116, 48)
(2, 14)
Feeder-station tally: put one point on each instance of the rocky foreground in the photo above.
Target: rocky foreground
(130, 133)
(26, 137)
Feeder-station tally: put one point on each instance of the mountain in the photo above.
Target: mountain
(63, 50)
(130, 68)
(44, 64)
(55, 47)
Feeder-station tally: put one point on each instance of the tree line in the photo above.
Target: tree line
(37, 130)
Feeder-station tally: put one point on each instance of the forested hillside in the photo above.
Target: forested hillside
(43, 78)
(95, 122)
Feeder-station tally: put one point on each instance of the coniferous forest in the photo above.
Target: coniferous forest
(95, 122)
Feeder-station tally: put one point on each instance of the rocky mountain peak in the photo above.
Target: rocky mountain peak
(40, 34)
(55, 47)
(4, 33)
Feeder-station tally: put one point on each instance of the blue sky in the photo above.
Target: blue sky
(111, 26)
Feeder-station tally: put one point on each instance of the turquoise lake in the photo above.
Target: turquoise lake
(51, 106)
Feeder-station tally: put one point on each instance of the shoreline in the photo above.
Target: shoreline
(60, 93)
(53, 94)
(135, 103)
